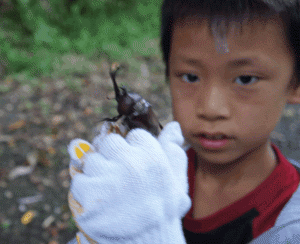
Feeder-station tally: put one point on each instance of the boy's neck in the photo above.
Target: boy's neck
(253, 169)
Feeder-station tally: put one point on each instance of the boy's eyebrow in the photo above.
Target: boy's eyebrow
(238, 62)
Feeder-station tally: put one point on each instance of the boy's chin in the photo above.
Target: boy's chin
(224, 156)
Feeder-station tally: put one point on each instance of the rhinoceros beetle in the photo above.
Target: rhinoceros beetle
(134, 111)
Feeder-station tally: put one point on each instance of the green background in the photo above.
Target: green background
(35, 35)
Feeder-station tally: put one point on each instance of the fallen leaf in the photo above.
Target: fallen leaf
(85, 82)
(48, 221)
(88, 111)
(28, 217)
(30, 199)
(58, 119)
(17, 125)
(19, 171)
(42, 158)
(32, 158)
(53, 242)
(5, 138)
(51, 150)
(11, 143)
(54, 231)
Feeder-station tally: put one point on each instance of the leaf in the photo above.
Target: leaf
(19, 171)
(17, 125)
(28, 217)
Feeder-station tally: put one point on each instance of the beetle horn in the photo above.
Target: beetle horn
(113, 72)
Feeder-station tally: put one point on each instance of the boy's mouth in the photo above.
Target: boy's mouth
(213, 141)
(213, 136)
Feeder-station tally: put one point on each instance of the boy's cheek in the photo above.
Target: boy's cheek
(181, 90)
(182, 112)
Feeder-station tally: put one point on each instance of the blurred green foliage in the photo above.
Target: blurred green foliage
(36, 34)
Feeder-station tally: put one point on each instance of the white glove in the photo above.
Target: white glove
(132, 190)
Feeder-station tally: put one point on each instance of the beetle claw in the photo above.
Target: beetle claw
(114, 119)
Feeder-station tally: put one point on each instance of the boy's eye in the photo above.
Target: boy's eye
(246, 79)
(241, 80)
(189, 77)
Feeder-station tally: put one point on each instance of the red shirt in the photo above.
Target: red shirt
(248, 217)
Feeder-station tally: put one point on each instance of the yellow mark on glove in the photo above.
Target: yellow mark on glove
(81, 147)
(78, 239)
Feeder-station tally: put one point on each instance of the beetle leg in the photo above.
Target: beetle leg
(161, 127)
(114, 119)
(120, 120)
(119, 127)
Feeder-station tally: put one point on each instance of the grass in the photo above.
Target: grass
(41, 38)
(5, 225)
(72, 224)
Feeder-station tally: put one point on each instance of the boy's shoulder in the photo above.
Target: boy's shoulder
(295, 163)
(287, 225)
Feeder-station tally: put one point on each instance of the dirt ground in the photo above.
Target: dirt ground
(37, 123)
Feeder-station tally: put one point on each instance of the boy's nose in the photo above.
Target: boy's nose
(212, 103)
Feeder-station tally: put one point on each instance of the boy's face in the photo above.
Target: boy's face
(242, 99)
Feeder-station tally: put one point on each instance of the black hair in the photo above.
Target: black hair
(231, 11)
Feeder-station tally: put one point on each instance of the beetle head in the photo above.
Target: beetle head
(125, 102)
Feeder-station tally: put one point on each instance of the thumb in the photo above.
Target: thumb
(172, 142)
(171, 133)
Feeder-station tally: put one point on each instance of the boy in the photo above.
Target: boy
(232, 67)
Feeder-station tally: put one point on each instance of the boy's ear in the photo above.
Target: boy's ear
(294, 96)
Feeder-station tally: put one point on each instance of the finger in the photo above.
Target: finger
(84, 159)
(106, 129)
(142, 139)
(83, 238)
(78, 149)
(77, 210)
(75, 207)
(172, 142)
(74, 170)
(113, 147)
(172, 133)
(184, 205)
(186, 146)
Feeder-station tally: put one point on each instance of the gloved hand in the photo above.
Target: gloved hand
(132, 190)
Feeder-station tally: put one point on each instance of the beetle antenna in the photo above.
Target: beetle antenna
(113, 72)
